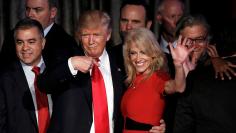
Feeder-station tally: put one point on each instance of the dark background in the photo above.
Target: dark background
(220, 14)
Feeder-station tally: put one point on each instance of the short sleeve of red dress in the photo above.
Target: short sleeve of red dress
(144, 101)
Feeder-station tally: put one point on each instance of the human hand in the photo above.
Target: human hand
(181, 52)
(188, 66)
(222, 68)
(159, 129)
(83, 63)
(211, 51)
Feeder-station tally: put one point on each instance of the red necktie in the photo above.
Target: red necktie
(42, 105)
(99, 102)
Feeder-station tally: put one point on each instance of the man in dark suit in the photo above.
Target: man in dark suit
(58, 42)
(71, 80)
(208, 105)
(19, 104)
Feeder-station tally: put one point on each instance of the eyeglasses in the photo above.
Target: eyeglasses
(198, 40)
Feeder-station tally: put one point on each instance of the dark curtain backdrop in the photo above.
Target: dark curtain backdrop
(69, 10)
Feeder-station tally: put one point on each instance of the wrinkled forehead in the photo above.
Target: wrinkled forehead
(95, 25)
(133, 11)
(37, 3)
(194, 31)
(172, 7)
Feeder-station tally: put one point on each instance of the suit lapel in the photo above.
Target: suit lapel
(117, 79)
(22, 84)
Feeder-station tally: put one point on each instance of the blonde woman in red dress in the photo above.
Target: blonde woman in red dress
(147, 80)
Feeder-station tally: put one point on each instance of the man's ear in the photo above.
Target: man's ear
(159, 18)
(53, 12)
(43, 43)
(149, 24)
(109, 35)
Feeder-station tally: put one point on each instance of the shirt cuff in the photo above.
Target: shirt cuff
(72, 70)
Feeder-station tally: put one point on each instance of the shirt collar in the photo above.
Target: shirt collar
(41, 65)
(46, 30)
(103, 57)
(164, 45)
(163, 42)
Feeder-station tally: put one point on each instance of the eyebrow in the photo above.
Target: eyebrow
(34, 8)
(199, 37)
(133, 20)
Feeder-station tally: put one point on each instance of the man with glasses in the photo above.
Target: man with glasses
(196, 29)
(208, 104)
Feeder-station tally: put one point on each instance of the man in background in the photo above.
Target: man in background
(207, 105)
(133, 14)
(58, 42)
(168, 14)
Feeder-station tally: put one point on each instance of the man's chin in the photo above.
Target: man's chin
(94, 54)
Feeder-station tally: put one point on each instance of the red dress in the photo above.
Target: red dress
(144, 102)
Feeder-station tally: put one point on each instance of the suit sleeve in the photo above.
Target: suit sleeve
(51, 80)
(8, 51)
(184, 121)
(3, 110)
(56, 79)
(184, 117)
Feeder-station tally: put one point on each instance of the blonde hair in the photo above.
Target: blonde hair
(145, 40)
(92, 19)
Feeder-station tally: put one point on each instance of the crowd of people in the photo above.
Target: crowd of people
(174, 83)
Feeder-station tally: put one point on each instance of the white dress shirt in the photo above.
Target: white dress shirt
(46, 30)
(106, 73)
(164, 44)
(30, 75)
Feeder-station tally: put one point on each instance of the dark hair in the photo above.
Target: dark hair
(27, 23)
(138, 3)
(189, 21)
(53, 3)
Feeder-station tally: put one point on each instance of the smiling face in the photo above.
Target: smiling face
(140, 60)
(29, 45)
(197, 35)
(142, 54)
